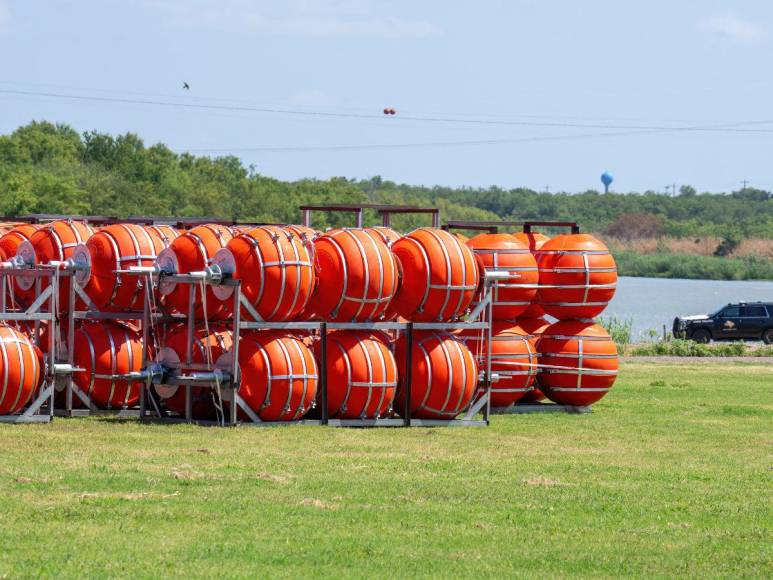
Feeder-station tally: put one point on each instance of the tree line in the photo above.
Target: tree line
(51, 168)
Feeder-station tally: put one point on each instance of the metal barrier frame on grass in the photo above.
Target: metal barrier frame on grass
(59, 365)
(187, 374)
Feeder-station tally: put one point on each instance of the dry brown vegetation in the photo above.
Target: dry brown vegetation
(699, 246)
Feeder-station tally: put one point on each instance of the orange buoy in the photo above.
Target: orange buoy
(387, 234)
(279, 375)
(534, 327)
(444, 375)
(578, 362)
(10, 241)
(116, 247)
(207, 348)
(513, 359)
(357, 276)
(167, 234)
(577, 278)
(190, 252)
(306, 233)
(439, 276)
(503, 253)
(21, 371)
(534, 241)
(361, 375)
(106, 351)
(55, 241)
(275, 268)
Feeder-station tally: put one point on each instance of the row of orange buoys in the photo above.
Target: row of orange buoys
(294, 273)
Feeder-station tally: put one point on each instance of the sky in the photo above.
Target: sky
(545, 94)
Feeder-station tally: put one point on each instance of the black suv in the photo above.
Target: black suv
(742, 321)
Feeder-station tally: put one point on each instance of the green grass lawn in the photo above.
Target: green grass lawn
(670, 475)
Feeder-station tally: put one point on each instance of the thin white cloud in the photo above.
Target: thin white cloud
(733, 28)
(5, 17)
(306, 18)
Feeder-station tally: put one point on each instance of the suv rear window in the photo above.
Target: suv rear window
(755, 312)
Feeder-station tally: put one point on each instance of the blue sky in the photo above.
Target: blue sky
(297, 87)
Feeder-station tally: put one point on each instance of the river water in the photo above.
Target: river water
(653, 302)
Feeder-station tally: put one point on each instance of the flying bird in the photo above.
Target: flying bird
(186, 86)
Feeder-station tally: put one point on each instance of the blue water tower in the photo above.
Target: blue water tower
(606, 179)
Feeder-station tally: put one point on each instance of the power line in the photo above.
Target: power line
(733, 127)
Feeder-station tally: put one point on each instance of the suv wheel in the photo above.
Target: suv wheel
(701, 335)
(767, 336)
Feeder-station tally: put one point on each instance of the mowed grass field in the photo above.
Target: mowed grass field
(670, 475)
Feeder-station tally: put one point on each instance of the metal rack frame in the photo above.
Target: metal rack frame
(383, 210)
(493, 226)
(58, 364)
(187, 374)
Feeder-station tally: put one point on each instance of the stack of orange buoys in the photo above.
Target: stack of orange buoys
(578, 359)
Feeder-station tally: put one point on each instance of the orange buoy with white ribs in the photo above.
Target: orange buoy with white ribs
(10, 240)
(444, 375)
(578, 362)
(116, 247)
(208, 347)
(279, 375)
(439, 276)
(577, 276)
(275, 268)
(167, 234)
(106, 351)
(21, 371)
(55, 241)
(503, 253)
(190, 252)
(513, 359)
(387, 234)
(361, 374)
(534, 241)
(533, 327)
(357, 276)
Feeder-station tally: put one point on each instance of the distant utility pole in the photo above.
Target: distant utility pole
(672, 187)
(547, 189)
(745, 183)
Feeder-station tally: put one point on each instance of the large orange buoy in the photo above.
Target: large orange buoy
(534, 241)
(207, 348)
(357, 276)
(190, 252)
(21, 372)
(439, 276)
(534, 327)
(503, 253)
(387, 234)
(279, 375)
(106, 351)
(578, 362)
(167, 234)
(444, 375)
(55, 241)
(578, 276)
(513, 359)
(276, 271)
(10, 241)
(306, 233)
(116, 247)
(361, 375)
